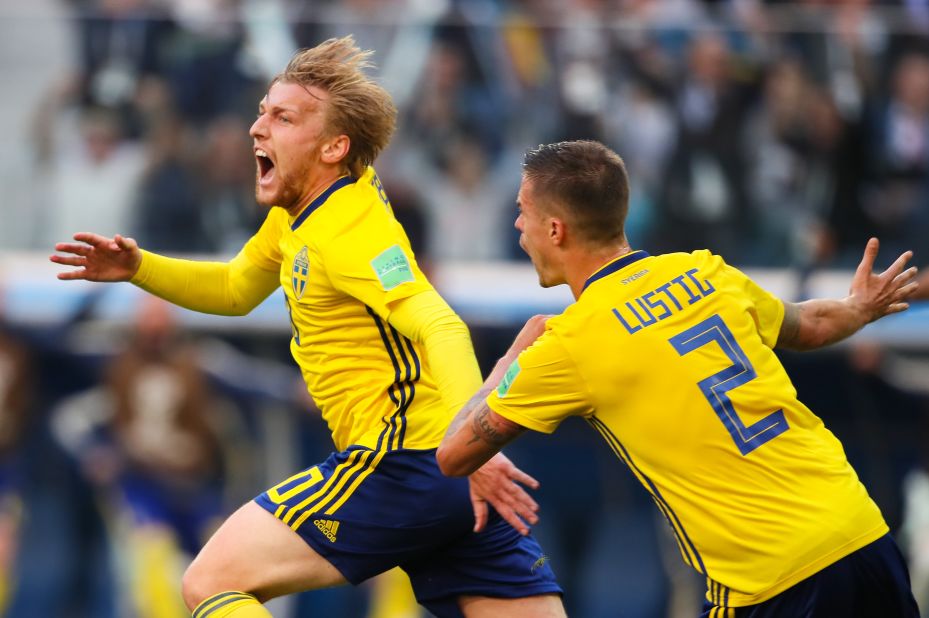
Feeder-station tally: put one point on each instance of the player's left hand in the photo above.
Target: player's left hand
(877, 295)
(499, 483)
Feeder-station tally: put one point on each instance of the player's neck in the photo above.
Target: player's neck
(588, 262)
(315, 188)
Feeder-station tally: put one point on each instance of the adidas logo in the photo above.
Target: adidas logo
(327, 527)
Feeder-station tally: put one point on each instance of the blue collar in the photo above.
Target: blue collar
(615, 265)
(344, 181)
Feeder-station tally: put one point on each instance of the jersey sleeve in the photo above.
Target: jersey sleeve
(372, 261)
(541, 388)
(263, 249)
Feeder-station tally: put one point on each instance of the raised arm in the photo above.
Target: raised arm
(820, 322)
(224, 288)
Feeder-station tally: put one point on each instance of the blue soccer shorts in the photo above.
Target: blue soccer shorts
(872, 582)
(368, 511)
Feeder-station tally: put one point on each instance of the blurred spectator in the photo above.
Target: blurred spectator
(704, 201)
(582, 57)
(17, 394)
(890, 197)
(467, 219)
(228, 212)
(168, 214)
(790, 140)
(641, 126)
(207, 65)
(371, 22)
(451, 101)
(121, 43)
(88, 172)
(151, 438)
(896, 196)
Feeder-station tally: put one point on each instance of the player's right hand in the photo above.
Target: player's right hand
(98, 258)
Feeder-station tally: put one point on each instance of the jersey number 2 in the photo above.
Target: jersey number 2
(715, 387)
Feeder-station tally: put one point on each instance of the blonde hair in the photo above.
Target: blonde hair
(358, 107)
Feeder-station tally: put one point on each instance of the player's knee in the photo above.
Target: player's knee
(197, 585)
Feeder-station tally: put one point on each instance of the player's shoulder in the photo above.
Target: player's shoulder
(698, 257)
(364, 195)
(574, 320)
(703, 260)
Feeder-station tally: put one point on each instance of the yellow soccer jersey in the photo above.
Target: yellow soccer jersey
(670, 359)
(343, 260)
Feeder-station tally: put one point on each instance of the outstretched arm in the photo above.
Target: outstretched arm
(477, 432)
(820, 322)
(224, 288)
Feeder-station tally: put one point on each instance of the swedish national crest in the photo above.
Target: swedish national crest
(301, 268)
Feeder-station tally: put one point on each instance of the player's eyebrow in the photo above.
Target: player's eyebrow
(263, 106)
(275, 110)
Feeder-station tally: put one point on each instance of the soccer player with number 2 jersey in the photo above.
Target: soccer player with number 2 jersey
(670, 359)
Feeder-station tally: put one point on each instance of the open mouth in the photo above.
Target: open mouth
(265, 166)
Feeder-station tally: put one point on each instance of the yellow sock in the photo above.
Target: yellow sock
(156, 571)
(392, 596)
(231, 605)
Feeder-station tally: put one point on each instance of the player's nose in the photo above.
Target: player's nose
(258, 127)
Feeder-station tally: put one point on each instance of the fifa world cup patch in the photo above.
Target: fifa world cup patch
(392, 268)
(508, 378)
(300, 272)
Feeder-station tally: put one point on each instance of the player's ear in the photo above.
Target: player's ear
(335, 148)
(556, 230)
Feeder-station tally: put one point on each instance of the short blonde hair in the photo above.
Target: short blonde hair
(358, 107)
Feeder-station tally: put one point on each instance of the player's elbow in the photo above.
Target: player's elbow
(235, 311)
(449, 464)
(241, 305)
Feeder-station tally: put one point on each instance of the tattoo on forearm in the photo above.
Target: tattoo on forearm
(462, 415)
(484, 429)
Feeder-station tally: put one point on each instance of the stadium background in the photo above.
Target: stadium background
(778, 134)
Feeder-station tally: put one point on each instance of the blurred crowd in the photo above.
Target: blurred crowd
(777, 134)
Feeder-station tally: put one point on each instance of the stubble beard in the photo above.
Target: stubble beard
(286, 196)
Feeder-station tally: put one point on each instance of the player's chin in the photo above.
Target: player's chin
(545, 280)
(264, 197)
